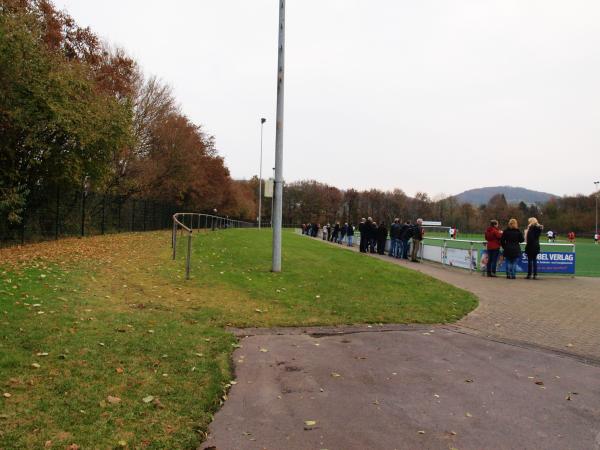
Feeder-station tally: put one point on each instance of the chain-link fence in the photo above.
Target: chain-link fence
(59, 213)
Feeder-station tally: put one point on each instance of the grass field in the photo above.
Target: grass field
(103, 344)
(587, 254)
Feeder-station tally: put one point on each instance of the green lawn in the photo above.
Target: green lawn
(103, 344)
(587, 254)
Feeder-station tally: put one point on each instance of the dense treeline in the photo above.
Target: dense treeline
(76, 114)
(79, 116)
(311, 201)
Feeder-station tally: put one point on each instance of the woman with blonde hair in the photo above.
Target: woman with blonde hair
(532, 246)
(510, 241)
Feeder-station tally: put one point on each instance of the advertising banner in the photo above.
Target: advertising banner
(459, 257)
(548, 262)
(432, 253)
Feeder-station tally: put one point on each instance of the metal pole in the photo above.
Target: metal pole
(262, 122)
(279, 143)
(596, 183)
(187, 262)
(174, 241)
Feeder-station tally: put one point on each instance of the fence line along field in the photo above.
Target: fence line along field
(587, 254)
(104, 344)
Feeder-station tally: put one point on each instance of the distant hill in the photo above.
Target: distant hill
(513, 195)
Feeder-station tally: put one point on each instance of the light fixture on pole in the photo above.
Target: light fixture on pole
(277, 207)
(596, 183)
(262, 122)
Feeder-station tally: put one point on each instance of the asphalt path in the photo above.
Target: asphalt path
(404, 388)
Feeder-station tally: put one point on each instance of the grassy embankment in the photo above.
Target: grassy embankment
(103, 344)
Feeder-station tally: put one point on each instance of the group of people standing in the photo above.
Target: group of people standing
(510, 241)
(336, 233)
(373, 236)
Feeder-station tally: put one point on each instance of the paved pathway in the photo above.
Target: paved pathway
(421, 388)
(560, 313)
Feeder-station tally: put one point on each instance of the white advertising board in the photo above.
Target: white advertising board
(459, 257)
(269, 188)
(432, 253)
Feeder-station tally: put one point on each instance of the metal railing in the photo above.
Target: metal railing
(190, 222)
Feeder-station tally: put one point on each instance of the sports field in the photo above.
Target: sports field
(587, 254)
(105, 345)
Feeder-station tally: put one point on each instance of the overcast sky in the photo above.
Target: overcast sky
(430, 95)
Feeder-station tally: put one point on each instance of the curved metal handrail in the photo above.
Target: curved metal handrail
(216, 222)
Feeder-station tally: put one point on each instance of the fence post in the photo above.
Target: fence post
(103, 207)
(83, 197)
(133, 216)
(189, 250)
(144, 215)
(174, 238)
(57, 212)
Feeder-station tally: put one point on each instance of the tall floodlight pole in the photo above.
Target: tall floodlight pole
(596, 183)
(262, 122)
(278, 205)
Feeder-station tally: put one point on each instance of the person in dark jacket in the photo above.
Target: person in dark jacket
(532, 246)
(417, 237)
(404, 238)
(336, 233)
(372, 236)
(350, 234)
(382, 233)
(395, 239)
(364, 239)
(510, 241)
(492, 236)
(343, 232)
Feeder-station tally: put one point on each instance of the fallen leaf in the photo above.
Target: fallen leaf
(113, 400)
(468, 380)
(539, 383)
(264, 350)
(335, 374)
(48, 444)
(119, 370)
(148, 399)
(36, 366)
(310, 423)
(468, 414)
(421, 431)
(42, 354)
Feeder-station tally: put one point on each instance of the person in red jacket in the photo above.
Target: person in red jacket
(492, 236)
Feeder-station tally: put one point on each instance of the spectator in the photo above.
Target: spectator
(343, 232)
(395, 243)
(326, 231)
(372, 235)
(417, 237)
(336, 233)
(350, 234)
(532, 246)
(405, 234)
(511, 238)
(492, 236)
(382, 234)
(364, 239)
